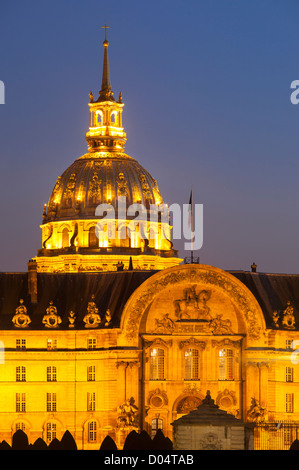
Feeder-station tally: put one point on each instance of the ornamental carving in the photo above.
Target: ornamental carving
(21, 319)
(94, 188)
(220, 327)
(92, 318)
(226, 399)
(51, 319)
(108, 317)
(192, 342)
(188, 404)
(193, 306)
(215, 326)
(122, 184)
(157, 342)
(191, 389)
(256, 412)
(213, 277)
(225, 343)
(210, 441)
(157, 398)
(284, 318)
(72, 319)
(127, 414)
(164, 325)
(70, 186)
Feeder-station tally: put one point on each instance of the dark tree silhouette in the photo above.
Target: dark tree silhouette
(168, 444)
(159, 440)
(4, 446)
(68, 442)
(108, 444)
(131, 441)
(39, 444)
(134, 441)
(19, 440)
(55, 445)
(295, 445)
(144, 441)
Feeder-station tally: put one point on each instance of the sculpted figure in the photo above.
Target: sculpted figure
(21, 319)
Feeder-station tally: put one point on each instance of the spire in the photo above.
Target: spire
(106, 93)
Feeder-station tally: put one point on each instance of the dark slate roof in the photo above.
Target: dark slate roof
(68, 292)
(73, 291)
(272, 291)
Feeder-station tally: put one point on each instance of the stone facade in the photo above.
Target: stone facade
(183, 331)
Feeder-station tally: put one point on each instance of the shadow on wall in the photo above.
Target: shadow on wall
(134, 441)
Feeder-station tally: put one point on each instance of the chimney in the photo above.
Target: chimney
(32, 280)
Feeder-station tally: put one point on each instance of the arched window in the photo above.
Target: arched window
(113, 118)
(191, 364)
(157, 364)
(225, 364)
(65, 238)
(51, 431)
(99, 121)
(20, 425)
(157, 423)
(93, 241)
(92, 431)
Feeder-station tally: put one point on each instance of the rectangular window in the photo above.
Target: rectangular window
(289, 403)
(92, 431)
(51, 374)
(21, 374)
(289, 344)
(225, 365)
(91, 401)
(289, 374)
(20, 402)
(91, 343)
(157, 364)
(51, 344)
(20, 343)
(51, 402)
(191, 364)
(91, 373)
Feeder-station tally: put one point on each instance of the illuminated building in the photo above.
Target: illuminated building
(102, 336)
(104, 175)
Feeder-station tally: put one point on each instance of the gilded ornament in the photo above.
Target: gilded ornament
(72, 319)
(92, 318)
(21, 319)
(51, 319)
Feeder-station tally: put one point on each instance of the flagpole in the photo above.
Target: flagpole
(191, 226)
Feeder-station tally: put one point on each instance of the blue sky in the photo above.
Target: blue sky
(206, 86)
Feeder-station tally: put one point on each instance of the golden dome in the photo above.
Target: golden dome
(74, 237)
(97, 178)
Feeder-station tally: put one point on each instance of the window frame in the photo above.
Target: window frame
(157, 366)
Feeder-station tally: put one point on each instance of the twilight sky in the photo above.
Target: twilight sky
(206, 87)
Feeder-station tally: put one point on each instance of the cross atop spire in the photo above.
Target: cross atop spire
(105, 27)
(106, 93)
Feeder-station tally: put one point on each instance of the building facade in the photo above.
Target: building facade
(104, 334)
